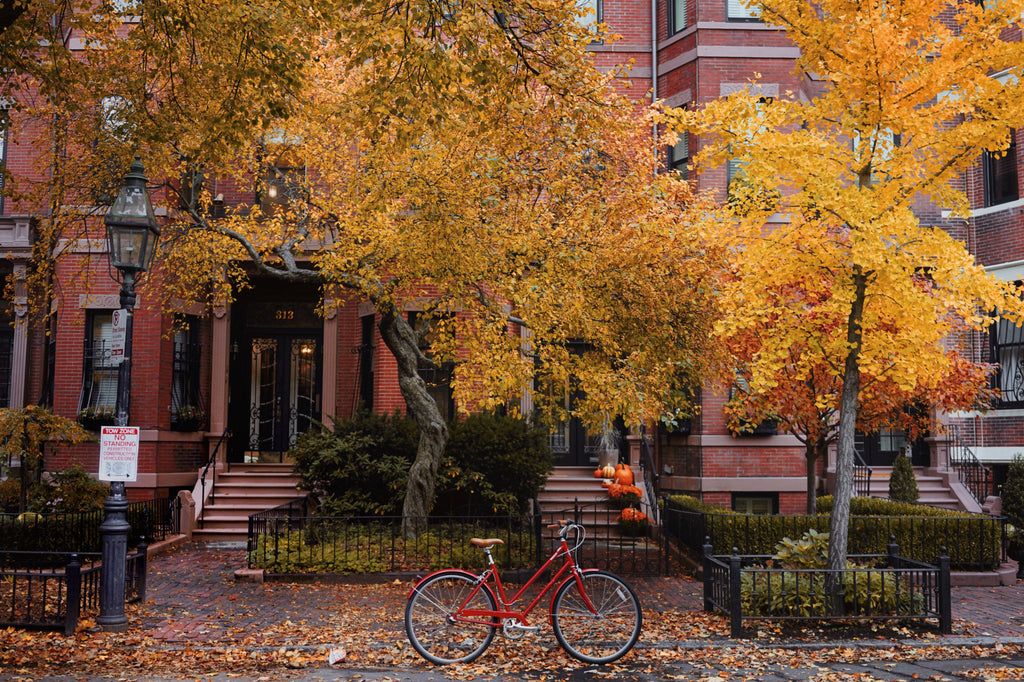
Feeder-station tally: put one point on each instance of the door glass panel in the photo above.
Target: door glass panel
(302, 397)
(263, 403)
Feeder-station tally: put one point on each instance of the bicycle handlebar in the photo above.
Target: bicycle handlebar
(564, 526)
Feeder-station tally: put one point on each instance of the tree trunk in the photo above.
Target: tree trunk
(401, 340)
(839, 524)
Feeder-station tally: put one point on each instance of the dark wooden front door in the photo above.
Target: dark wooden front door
(276, 377)
(881, 449)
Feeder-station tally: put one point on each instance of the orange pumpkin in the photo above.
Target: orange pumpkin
(623, 475)
(598, 473)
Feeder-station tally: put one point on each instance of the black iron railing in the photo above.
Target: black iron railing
(975, 476)
(650, 475)
(213, 480)
(974, 541)
(150, 520)
(885, 586)
(285, 540)
(51, 590)
(629, 548)
(861, 476)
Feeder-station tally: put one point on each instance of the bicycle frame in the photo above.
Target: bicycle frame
(485, 617)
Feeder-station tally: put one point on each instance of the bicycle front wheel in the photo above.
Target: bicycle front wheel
(430, 618)
(608, 632)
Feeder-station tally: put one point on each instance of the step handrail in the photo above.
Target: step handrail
(861, 476)
(650, 475)
(974, 475)
(202, 477)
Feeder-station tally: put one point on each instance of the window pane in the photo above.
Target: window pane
(1007, 347)
(679, 155)
(678, 16)
(745, 504)
(592, 10)
(99, 375)
(187, 409)
(1000, 175)
(736, 9)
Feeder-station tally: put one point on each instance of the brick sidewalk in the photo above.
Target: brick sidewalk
(193, 595)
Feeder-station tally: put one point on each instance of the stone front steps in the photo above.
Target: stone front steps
(567, 487)
(932, 489)
(243, 490)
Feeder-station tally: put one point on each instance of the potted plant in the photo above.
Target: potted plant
(94, 417)
(623, 496)
(188, 418)
(1012, 496)
(633, 522)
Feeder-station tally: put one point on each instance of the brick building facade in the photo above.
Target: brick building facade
(265, 365)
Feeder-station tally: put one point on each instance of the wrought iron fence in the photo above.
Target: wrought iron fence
(52, 590)
(150, 520)
(286, 540)
(974, 541)
(886, 586)
(628, 547)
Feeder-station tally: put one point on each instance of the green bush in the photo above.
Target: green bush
(902, 482)
(1013, 493)
(69, 490)
(797, 590)
(360, 467)
(66, 490)
(491, 464)
(921, 532)
(749, 534)
(373, 548)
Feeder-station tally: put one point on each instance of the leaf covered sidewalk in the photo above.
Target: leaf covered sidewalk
(199, 619)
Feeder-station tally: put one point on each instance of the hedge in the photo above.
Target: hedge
(972, 541)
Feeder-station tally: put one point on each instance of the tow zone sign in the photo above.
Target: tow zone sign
(119, 453)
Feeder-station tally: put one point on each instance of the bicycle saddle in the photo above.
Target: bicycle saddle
(485, 543)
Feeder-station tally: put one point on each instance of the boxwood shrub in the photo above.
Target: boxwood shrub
(973, 541)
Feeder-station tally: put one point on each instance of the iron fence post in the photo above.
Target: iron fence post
(735, 610)
(73, 583)
(708, 582)
(893, 550)
(945, 598)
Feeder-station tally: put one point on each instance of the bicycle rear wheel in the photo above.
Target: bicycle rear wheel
(430, 623)
(605, 634)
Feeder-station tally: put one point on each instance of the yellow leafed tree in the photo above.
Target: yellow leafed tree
(900, 98)
(466, 155)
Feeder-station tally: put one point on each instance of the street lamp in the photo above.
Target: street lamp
(132, 233)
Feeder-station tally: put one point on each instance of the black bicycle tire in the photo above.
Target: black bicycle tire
(421, 618)
(612, 599)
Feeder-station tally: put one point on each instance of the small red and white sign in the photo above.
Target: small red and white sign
(119, 333)
(119, 453)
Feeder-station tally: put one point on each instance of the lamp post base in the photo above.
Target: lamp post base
(114, 536)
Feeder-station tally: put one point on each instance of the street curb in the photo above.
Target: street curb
(938, 642)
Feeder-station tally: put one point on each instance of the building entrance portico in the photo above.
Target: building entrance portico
(276, 360)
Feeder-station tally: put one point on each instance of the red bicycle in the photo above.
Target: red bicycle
(452, 614)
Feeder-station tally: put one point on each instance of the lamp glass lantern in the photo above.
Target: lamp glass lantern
(132, 227)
